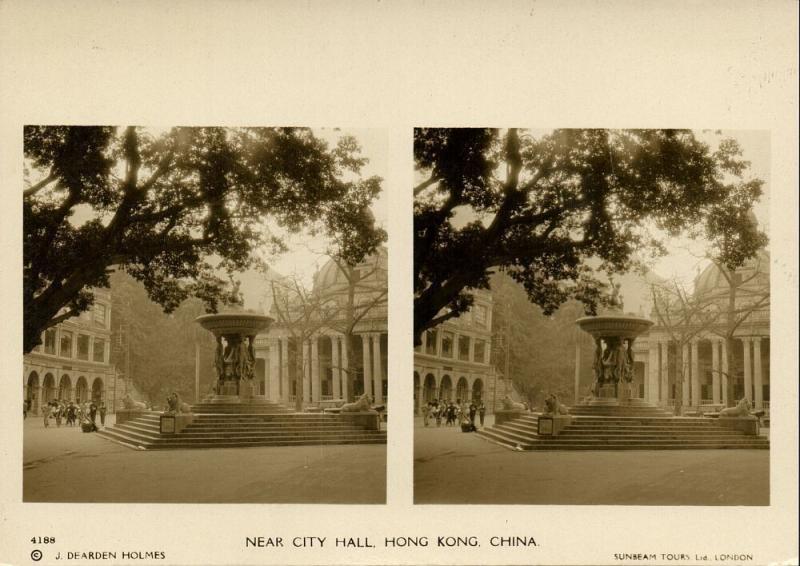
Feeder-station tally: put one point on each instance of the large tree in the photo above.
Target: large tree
(177, 209)
(550, 210)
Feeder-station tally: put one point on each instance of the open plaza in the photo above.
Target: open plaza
(64, 465)
(451, 467)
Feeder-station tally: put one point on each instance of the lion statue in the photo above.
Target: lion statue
(742, 409)
(554, 406)
(130, 404)
(510, 405)
(363, 403)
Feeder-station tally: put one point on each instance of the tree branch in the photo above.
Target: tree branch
(33, 189)
(425, 184)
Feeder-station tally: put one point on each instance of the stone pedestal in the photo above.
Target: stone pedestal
(552, 425)
(173, 424)
(370, 420)
(607, 391)
(747, 425)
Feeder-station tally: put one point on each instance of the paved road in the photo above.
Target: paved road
(455, 467)
(66, 465)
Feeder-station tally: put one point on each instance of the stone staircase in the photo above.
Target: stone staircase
(637, 426)
(228, 426)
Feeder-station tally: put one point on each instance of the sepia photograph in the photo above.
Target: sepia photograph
(212, 263)
(205, 315)
(591, 317)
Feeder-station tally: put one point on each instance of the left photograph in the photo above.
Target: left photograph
(205, 315)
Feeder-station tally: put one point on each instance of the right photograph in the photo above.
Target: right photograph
(591, 316)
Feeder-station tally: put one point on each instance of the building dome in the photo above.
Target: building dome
(711, 278)
(331, 278)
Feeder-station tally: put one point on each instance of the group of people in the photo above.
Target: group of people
(453, 412)
(69, 412)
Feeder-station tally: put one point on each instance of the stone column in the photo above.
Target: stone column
(664, 372)
(748, 373)
(377, 370)
(306, 372)
(274, 374)
(724, 380)
(715, 381)
(757, 378)
(335, 367)
(345, 373)
(685, 400)
(284, 347)
(316, 389)
(651, 388)
(696, 391)
(367, 364)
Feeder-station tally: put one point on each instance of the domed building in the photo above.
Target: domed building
(333, 340)
(713, 347)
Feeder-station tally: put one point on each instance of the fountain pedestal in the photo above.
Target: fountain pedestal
(614, 334)
(234, 359)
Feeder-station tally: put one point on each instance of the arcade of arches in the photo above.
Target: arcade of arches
(41, 389)
(442, 389)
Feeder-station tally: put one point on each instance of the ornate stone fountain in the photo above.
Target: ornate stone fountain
(614, 333)
(234, 359)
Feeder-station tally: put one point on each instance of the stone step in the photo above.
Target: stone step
(650, 433)
(206, 438)
(519, 427)
(245, 429)
(621, 446)
(622, 433)
(510, 434)
(503, 439)
(256, 428)
(311, 441)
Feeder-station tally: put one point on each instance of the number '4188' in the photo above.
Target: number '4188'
(43, 540)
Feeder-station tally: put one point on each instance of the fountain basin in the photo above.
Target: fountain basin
(240, 323)
(618, 325)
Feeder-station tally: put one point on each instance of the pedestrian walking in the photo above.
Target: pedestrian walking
(93, 412)
(426, 409)
(481, 412)
(102, 413)
(46, 415)
(473, 409)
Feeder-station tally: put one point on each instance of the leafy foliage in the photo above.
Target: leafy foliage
(174, 209)
(158, 349)
(551, 210)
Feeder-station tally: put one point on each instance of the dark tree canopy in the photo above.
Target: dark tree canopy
(178, 209)
(552, 210)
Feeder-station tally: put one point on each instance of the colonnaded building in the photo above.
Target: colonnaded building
(453, 363)
(335, 338)
(73, 361)
(684, 359)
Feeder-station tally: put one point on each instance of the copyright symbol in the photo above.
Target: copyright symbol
(36, 555)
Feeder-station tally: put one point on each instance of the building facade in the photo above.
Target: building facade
(73, 361)
(453, 363)
(331, 344)
(714, 348)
